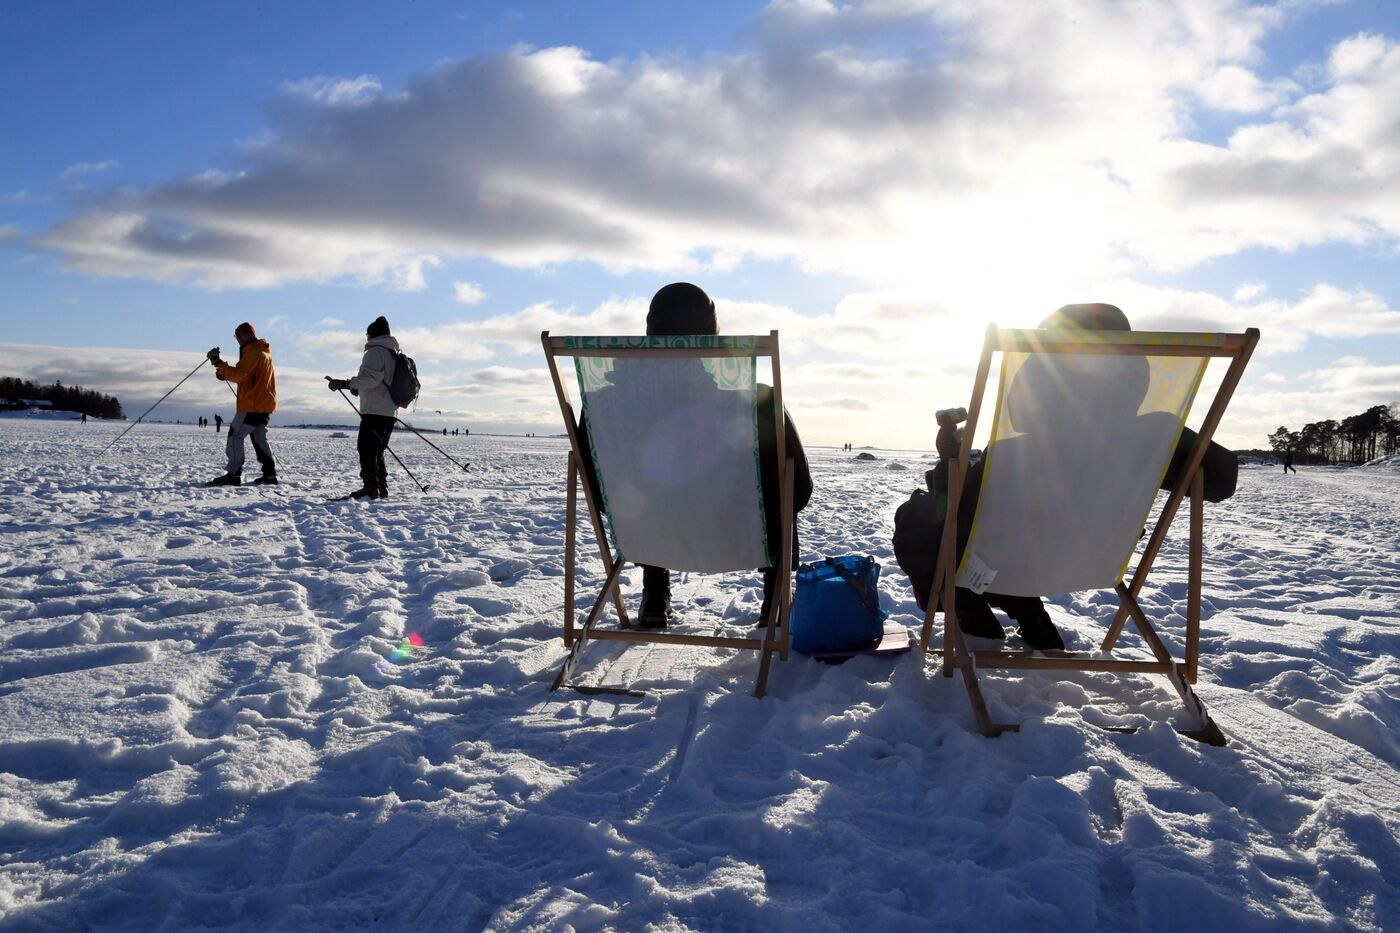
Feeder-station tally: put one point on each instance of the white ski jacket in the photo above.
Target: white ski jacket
(376, 372)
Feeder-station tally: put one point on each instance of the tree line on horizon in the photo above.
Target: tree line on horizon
(63, 398)
(1373, 433)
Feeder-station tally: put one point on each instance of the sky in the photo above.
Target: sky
(876, 180)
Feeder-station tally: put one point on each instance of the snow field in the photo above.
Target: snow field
(212, 713)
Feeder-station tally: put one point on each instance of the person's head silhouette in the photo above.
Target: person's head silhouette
(681, 309)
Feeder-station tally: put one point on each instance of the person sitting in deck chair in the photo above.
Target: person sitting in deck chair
(682, 309)
(917, 532)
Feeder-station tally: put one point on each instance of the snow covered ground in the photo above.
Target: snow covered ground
(251, 708)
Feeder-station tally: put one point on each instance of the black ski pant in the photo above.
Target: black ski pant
(976, 608)
(372, 441)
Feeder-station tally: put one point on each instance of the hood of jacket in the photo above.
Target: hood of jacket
(387, 342)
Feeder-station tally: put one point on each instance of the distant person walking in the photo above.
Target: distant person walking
(257, 400)
(378, 412)
(218, 423)
(1288, 462)
(84, 418)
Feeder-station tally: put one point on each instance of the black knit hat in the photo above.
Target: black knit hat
(379, 327)
(681, 309)
(1094, 316)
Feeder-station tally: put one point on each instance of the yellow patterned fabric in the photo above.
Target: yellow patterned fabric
(1080, 443)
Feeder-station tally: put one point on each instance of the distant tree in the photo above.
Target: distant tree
(1358, 438)
(1282, 440)
(62, 398)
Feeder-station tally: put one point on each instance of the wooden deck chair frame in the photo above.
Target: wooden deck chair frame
(1182, 674)
(775, 638)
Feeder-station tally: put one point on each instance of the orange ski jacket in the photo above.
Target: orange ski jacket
(257, 381)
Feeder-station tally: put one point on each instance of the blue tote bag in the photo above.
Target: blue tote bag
(837, 605)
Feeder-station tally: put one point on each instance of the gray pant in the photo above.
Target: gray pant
(244, 424)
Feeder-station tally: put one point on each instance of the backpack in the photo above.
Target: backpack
(403, 388)
(918, 532)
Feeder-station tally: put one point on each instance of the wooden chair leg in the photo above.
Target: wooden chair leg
(575, 653)
(570, 536)
(775, 638)
(1144, 627)
(1193, 577)
(1205, 730)
(963, 658)
(771, 635)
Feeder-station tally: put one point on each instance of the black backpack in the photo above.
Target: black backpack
(403, 388)
(918, 532)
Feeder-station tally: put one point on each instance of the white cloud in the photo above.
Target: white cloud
(218, 254)
(1334, 392)
(82, 169)
(336, 343)
(335, 92)
(979, 144)
(1325, 168)
(467, 293)
(330, 322)
(8, 231)
(1250, 291)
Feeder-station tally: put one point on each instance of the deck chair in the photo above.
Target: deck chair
(672, 437)
(1085, 427)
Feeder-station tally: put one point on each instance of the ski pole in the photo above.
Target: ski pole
(149, 410)
(465, 466)
(386, 446)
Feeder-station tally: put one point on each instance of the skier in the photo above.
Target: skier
(377, 409)
(257, 400)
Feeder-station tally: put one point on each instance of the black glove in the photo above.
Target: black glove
(214, 356)
(337, 384)
(948, 444)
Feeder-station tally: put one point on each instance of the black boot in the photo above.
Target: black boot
(267, 479)
(361, 493)
(655, 610)
(1038, 632)
(228, 479)
(975, 616)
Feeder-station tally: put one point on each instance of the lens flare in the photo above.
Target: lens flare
(405, 648)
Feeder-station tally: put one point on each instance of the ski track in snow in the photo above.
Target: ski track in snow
(199, 726)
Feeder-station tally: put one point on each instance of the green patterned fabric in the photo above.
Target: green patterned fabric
(698, 341)
(729, 372)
